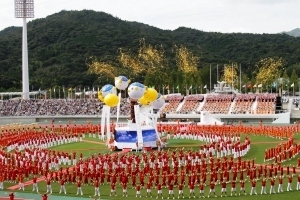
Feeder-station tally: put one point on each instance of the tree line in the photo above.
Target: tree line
(63, 46)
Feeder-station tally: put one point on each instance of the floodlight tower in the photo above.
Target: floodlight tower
(24, 9)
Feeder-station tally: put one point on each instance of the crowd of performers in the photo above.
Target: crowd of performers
(192, 130)
(28, 136)
(224, 137)
(283, 151)
(216, 143)
(24, 154)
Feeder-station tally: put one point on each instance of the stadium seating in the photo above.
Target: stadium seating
(218, 104)
(243, 103)
(191, 104)
(173, 102)
(58, 107)
(214, 103)
(266, 104)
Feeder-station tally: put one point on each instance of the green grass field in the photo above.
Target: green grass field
(89, 147)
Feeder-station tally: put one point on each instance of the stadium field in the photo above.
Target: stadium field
(93, 146)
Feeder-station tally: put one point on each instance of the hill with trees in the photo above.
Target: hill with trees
(295, 32)
(60, 45)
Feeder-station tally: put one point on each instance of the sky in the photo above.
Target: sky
(226, 16)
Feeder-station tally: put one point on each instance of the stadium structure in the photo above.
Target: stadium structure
(227, 107)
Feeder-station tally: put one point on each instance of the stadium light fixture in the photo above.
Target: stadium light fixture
(24, 9)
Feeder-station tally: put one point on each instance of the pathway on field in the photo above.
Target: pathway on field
(80, 149)
(30, 196)
(93, 142)
(195, 145)
(266, 142)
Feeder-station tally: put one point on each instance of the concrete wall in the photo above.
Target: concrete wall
(78, 119)
(96, 119)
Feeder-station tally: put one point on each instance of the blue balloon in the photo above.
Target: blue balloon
(121, 82)
(108, 89)
(123, 78)
(138, 84)
(136, 90)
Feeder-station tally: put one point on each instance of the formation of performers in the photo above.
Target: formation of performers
(176, 169)
(283, 151)
(218, 144)
(205, 167)
(224, 134)
(191, 130)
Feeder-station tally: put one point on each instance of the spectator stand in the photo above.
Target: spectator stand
(173, 102)
(232, 106)
(202, 103)
(218, 104)
(190, 104)
(242, 104)
(254, 106)
(262, 106)
(9, 107)
(266, 103)
(180, 106)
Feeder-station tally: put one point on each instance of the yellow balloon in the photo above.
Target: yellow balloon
(151, 94)
(100, 97)
(143, 101)
(111, 100)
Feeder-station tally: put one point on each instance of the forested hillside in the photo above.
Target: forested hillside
(295, 32)
(60, 44)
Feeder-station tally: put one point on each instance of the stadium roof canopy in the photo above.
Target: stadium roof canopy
(86, 93)
(20, 93)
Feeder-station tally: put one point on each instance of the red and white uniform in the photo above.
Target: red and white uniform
(34, 185)
(48, 183)
(79, 189)
(96, 186)
(138, 190)
(62, 186)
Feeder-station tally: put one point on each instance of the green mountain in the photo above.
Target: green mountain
(295, 32)
(59, 45)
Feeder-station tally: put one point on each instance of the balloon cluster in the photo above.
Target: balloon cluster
(108, 95)
(136, 91)
(145, 96)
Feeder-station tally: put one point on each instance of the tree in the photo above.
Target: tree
(102, 69)
(295, 67)
(269, 70)
(294, 80)
(131, 62)
(67, 38)
(149, 61)
(245, 82)
(173, 80)
(179, 83)
(230, 75)
(187, 64)
(285, 81)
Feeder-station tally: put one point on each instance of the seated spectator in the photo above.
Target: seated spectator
(218, 104)
(266, 104)
(243, 103)
(191, 104)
